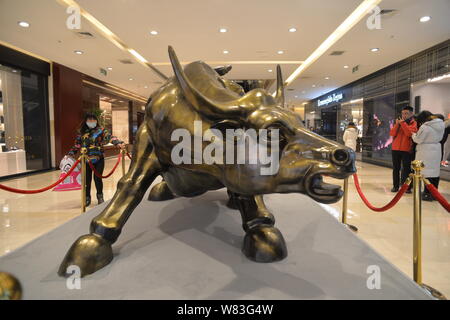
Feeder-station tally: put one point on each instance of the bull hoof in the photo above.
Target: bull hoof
(264, 243)
(89, 253)
(161, 192)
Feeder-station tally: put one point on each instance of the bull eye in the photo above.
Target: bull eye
(282, 139)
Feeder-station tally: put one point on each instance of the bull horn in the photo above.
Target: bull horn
(199, 101)
(279, 97)
(223, 70)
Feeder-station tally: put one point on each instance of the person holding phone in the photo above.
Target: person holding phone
(402, 153)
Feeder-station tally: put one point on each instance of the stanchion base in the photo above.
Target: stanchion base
(433, 292)
(351, 227)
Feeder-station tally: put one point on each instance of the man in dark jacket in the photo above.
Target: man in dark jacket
(402, 154)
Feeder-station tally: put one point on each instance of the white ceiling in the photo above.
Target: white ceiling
(257, 29)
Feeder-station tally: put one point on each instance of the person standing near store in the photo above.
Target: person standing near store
(350, 136)
(428, 150)
(402, 154)
(93, 137)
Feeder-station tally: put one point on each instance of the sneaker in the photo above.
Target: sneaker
(394, 189)
(100, 198)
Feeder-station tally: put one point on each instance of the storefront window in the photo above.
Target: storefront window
(379, 117)
(24, 133)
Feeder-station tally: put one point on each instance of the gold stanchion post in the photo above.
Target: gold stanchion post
(345, 207)
(124, 153)
(83, 179)
(417, 167)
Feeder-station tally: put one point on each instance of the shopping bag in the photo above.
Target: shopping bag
(73, 181)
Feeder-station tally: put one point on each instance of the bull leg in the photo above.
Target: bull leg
(93, 251)
(161, 192)
(262, 242)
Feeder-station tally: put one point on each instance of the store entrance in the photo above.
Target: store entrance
(328, 128)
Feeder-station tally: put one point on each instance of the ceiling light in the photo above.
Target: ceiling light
(375, 49)
(345, 67)
(280, 52)
(153, 32)
(23, 24)
(226, 51)
(15, 71)
(109, 68)
(137, 55)
(359, 13)
(145, 87)
(270, 70)
(425, 19)
(295, 97)
(130, 79)
(313, 85)
(78, 52)
(223, 30)
(292, 30)
(327, 78)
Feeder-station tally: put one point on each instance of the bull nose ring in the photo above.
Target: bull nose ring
(340, 156)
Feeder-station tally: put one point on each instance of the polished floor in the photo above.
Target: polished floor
(26, 217)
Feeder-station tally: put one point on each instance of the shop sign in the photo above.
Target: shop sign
(335, 97)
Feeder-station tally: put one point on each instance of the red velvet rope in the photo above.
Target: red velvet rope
(436, 194)
(109, 174)
(3, 187)
(392, 203)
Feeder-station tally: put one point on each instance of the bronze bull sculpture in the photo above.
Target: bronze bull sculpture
(198, 92)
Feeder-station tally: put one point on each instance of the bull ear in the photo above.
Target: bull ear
(279, 97)
(199, 101)
(223, 70)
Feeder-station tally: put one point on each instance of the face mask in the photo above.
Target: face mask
(91, 125)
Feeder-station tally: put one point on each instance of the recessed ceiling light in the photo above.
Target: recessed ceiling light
(425, 19)
(295, 97)
(292, 29)
(223, 30)
(153, 32)
(145, 87)
(345, 67)
(226, 51)
(109, 68)
(78, 52)
(327, 78)
(313, 85)
(23, 24)
(270, 70)
(130, 79)
(14, 71)
(280, 52)
(375, 49)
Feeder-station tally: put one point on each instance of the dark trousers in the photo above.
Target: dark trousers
(401, 162)
(434, 181)
(99, 166)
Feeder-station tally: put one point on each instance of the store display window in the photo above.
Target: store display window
(24, 131)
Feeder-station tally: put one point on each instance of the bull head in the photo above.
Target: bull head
(304, 157)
